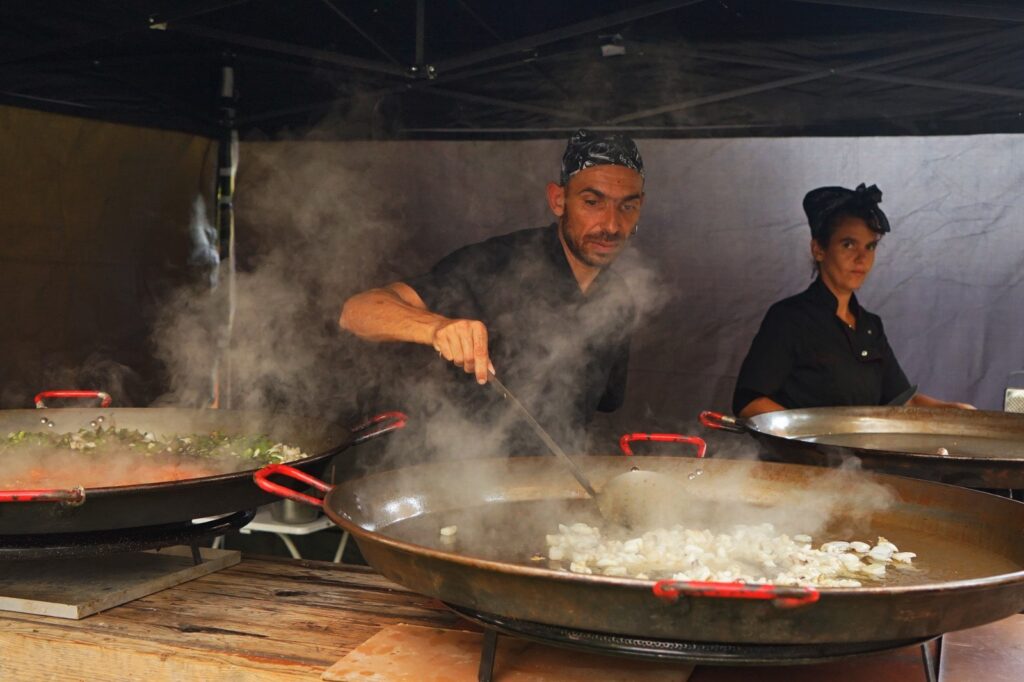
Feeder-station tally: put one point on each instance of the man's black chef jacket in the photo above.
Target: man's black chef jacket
(563, 353)
(805, 356)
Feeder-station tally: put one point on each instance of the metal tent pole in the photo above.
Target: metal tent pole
(227, 166)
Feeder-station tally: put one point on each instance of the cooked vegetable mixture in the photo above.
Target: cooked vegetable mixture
(118, 456)
(259, 447)
(749, 554)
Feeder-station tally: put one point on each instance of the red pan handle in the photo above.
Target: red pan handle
(782, 597)
(261, 477)
(628, 438)
(391, 421)
(721, 422)
(104, 398)
(73, 497)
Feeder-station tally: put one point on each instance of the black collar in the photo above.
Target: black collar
(820, 294)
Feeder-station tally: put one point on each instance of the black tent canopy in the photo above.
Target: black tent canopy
(115, 226)
(466, 69)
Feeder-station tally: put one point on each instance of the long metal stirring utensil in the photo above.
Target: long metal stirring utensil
(632, 499)
(568, 461)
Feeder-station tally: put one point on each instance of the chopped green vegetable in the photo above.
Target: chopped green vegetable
(259, 448)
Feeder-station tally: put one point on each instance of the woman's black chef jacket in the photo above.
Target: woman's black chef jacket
(805, 356)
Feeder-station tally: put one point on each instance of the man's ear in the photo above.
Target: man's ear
(556, 198)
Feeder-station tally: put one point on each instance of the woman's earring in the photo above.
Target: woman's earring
(635, 228)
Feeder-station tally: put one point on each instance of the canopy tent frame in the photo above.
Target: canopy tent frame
(413, 68)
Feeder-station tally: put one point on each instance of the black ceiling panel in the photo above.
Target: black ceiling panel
(349, 68)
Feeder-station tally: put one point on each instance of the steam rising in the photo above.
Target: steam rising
(503, 509)
(309, 235)
(319, 222)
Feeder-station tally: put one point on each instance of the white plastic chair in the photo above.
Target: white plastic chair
(1014, 399)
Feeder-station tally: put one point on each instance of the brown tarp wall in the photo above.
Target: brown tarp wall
(94, 228)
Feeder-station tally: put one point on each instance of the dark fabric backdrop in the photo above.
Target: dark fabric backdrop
(722, 236)
(97, 221)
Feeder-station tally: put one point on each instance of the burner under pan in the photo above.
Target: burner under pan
(708, 653)
(93, 543)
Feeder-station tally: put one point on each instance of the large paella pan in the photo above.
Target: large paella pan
(970, 566)
(113, 505)
(965, 447)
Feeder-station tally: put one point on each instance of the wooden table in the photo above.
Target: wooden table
(282, 619)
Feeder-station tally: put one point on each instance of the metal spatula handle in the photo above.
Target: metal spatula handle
(574, 469)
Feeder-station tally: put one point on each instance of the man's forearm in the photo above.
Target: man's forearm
(760, 406)
(922, 400)
(384, 315)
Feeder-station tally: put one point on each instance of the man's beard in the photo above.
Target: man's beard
(576, 249)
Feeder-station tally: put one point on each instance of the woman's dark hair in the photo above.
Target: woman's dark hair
(828, 207)
(833, 220)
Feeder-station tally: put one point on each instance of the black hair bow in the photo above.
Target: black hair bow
(822, 203)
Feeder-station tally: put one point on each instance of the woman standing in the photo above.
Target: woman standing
(821, 348)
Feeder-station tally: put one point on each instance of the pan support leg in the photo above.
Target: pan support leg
(197, 557)
(932, 662)
(487, 655)
(341, 547)
(292, 549)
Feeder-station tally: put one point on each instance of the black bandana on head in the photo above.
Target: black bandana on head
(587, 148)
(820, 204)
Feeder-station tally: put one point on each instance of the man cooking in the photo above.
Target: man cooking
(539, 307)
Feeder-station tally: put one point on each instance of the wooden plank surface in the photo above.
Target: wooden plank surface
(993, 653)
(413, 653)
(263, 619)
(280, 619)
(76, 589)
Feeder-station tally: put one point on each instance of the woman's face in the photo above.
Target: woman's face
(849, 256)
